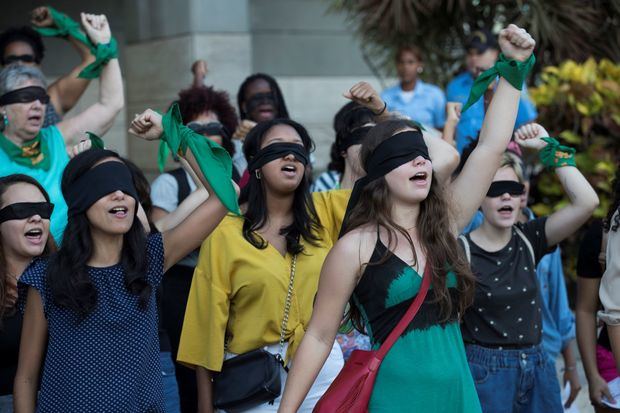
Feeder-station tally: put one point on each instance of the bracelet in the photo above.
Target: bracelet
(570, 368)
(382, 110)
(555, 155)
(513, 71)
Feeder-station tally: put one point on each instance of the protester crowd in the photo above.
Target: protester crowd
(243, 281)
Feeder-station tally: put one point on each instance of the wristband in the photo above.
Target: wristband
(213, 160)
(67, 27)
(103, 54)
(555, 155)
(513, 71)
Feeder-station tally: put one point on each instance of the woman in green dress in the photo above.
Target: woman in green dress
(401, 219)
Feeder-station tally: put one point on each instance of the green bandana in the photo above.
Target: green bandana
(213, 160)
(33, 154)
(66, 26)
(513, 71)
(555, 155)
(103, 54)
(96, 141)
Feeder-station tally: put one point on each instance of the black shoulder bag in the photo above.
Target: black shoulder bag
(253, 378)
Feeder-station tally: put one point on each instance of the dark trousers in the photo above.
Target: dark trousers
(176, 284)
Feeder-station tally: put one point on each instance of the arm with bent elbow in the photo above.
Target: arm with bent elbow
(98, 118)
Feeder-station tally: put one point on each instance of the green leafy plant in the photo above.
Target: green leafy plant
(567, 29)
(580, 103)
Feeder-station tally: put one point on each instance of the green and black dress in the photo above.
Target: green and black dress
(426, 370)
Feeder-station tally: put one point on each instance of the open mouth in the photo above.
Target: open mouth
(35, 232)
(289, 170)
(119, 212)
(34, 235)
(35, 118)
(506, 210)
(419, 177)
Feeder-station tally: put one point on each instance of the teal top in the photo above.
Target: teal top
(426, 370)
(50, 179)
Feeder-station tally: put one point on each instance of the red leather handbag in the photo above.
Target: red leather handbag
(351, 390)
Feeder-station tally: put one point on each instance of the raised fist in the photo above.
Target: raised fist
(529, 136)
(97, 28)
(365, 95)
(41, 17)
(199, 69)
(83, 146)
(516, 43)
(147, 125)
(245, 126)
(453, 111)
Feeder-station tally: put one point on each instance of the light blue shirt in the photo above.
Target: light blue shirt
(427, 106)
(471, 120)
(557, 317)
(49, 179)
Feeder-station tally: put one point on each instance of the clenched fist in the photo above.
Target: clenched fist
(147, 125)
(516, 43)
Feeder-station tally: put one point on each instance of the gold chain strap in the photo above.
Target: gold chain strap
(287, 309)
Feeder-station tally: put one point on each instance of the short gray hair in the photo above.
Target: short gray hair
(14, 75)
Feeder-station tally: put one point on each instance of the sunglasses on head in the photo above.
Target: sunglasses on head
(25, 58)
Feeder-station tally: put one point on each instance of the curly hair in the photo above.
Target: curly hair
(22, 34)
(199, 99)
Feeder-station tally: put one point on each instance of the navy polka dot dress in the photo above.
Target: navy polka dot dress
(109, 362)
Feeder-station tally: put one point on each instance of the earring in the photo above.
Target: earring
(257, 173)
(5, 122)
(420, 69)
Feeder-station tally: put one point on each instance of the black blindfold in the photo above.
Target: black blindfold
(23, 210)
(98, 182)
(390, 154)
(25, 95)
(350, 138)
(259, 99)
(277, 151)
(499, 188)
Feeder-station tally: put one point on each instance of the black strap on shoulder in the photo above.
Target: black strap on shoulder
(183, 184)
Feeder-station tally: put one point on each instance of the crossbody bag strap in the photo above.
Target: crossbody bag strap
(527, 243)
(409, 315)
(466, 247)
(287, 310)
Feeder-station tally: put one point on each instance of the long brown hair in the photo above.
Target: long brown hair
(50, 246)
(435, 226)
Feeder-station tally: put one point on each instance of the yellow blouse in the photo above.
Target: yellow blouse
(238, 291)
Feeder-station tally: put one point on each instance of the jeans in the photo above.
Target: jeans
(171, 391)
(6, 403)
(514, 381)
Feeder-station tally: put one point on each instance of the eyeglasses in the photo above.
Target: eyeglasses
(25, 58)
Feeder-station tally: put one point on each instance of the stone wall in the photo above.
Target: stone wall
(312, 54)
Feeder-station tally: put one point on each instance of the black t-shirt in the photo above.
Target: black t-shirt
(506, 309)
(10, 333)
(588, 265)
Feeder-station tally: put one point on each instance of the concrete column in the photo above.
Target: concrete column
(164, 38)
